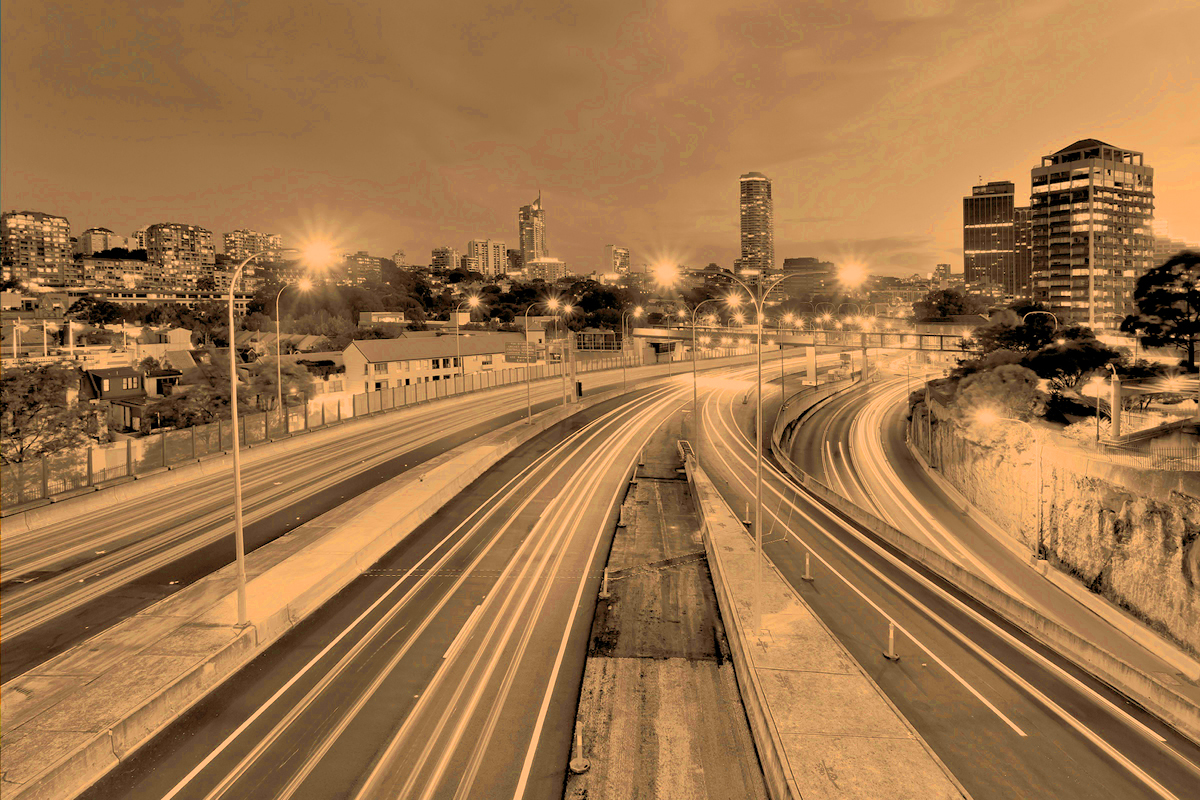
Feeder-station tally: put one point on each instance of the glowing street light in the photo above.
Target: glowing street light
(635, 312)
(316, 256)
(473, 302)
(852, 274)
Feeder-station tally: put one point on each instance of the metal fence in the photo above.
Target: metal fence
(39, 479)
(1171, 457)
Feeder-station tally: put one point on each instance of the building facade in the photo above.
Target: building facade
(445, 258)
(1092, 207)
(360, 268)
(377, 364)
(988, 236)
(181, 254)
(757, 224)
(36, 248)
(241, 244)
(809, 276)
(545, 269)
(1022, 253)
(531, 226)
(617, 259)
(97, 240)
(491, 257)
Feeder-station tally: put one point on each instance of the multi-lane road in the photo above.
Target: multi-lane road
(1009, 717)
(450, 669)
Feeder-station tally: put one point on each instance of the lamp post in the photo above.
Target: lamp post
(561, 310)
(550, 304)
(473, 302)
(758, 503)
(238, 534)
(303, 285)
(695, 393)
(636, 312)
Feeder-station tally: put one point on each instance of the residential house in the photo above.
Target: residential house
(374, 364)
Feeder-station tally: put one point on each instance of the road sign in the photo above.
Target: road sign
(520, 353)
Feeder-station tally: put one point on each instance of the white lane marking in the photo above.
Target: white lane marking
(463, 633)
(1116, 711)
(522, 477)
(527, 765)
(734, 473)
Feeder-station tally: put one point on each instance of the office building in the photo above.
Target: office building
(1165, 247)
(491, 257)
(36, 248)
(360, 268)
(531, 225)
(941, 273)
(516, 263)
(398, 258)
(757, 225)
(1092, 206)
(988, 221)
(242, 244)
(446, 258)
(546, 269)
(617, 259)
(1022, 253)
(181, 254)
(809, 276)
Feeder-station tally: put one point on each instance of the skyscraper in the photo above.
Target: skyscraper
(758, 236)
(531, 223)
(1092, 206)
(491, 257)
(36, 247)
(988, 255)
(617, 259)
(1022, 252)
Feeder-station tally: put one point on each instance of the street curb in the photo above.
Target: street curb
(90, 760)
(1140, 687)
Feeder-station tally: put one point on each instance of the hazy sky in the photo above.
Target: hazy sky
(406, 125)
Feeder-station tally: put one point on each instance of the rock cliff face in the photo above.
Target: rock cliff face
(1128, 534)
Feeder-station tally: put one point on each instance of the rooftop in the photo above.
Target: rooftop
(406, 349)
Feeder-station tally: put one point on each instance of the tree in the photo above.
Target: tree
(1063, 365)
(95, 311)
(35, 417)
(1008, 391)
(206, 283)
(122, 254)
(296, 380)
(944, 303)
(1168, 306)
(149, 364)
(1010, 332)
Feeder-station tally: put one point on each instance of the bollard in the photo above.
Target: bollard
(579, 764)
(746, 519)
(807, 574)
(890, 654)
(604, 586)
(641, 463)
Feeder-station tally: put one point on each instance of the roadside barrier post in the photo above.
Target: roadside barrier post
(807, 573)
(890, 654)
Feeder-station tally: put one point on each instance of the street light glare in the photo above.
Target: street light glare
(666, 274)
(986, 417)
(733, 301)
(852, 274)
(473, 301)
(552, 303)
(637, 312)
(568, 308)
(304, 284)
(318, 255)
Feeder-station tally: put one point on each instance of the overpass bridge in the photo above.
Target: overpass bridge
(893, 340)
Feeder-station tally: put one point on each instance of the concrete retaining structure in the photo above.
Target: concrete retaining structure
(1143, 688)
(822, 727)
(67, 722)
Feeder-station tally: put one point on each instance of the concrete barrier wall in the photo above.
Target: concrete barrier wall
(280, 598)
(1158, 698)
(781, 783)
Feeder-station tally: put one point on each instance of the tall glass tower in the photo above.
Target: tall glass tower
(758, 229)
(531, 223)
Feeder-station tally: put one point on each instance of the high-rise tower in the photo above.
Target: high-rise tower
(1092, 206)
(531, 223)
(988, 254)
(758, 237)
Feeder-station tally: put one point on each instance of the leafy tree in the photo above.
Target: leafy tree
(35, 417)
(1008, 331)
(944, 303)
(1168, 306)
(149, 364)
(1066, 363)
(206, 283)
(297, 380)
(1009, 391)
(122, 254)
(95, 311)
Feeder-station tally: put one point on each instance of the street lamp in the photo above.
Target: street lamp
(987, 418)
(564, 309)
(473, 302)
(635, 312)
(550, 304)
(304, 284)
(695, 394)
(758, 527)
(316, 255)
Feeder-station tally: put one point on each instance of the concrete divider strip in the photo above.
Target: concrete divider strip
(821, 725)
(69, 721)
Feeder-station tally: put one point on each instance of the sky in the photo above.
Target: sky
(386, 126)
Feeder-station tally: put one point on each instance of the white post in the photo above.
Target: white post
(807, 573)
(890, 654)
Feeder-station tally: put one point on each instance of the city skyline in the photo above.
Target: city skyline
(637, 138)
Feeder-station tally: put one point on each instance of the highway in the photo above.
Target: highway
(62, 583)
(452, 667)
(1008, 717)
(874, 468)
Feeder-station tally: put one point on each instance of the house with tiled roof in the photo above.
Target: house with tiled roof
(376, 364)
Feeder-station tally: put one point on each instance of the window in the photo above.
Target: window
(437, 377)
(434, 364)
(105, 385)
(456, 361)
(381, 368)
